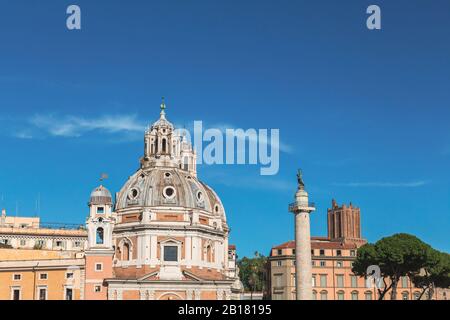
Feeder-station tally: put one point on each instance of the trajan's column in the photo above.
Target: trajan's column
(301, 209)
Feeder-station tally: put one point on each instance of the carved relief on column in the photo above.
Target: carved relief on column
(111, 295)
(197, 294)
(189, 294)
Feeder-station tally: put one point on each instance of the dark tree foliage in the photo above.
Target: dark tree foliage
(436, 273)
(253, 272)
(397, 256)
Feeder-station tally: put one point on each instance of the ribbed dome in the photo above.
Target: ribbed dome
(172, 187)
(100, 195)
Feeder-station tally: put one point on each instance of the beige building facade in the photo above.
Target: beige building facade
(27, 274)
(332, 258)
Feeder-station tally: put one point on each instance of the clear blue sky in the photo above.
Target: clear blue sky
(364, 113)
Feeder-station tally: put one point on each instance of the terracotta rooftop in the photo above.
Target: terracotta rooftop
(315, 244)
(44, 231)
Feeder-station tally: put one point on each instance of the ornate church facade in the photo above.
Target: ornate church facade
(166, 235)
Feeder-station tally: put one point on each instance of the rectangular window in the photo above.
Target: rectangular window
(313, 263)
(69, 294)
(314, 280)
(98, 267)
(280, 252)
(171, 253)
(339, 264)
(340, 281)
(339, 253)
(323, 280)
(322, 252)
(43, 276)
(277, 283)
(69, 275)
(352, 253)
(100, 210)
(312, 252)
(354, 280)
(322, 263)
(98, 289)
(42, 293)
(293, 251)
(15, 294)
(17, 277)
(404, 282)
(40, 243)
(23, 243)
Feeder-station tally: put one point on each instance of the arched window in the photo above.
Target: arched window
(323, 295)
(164, 146)
(355, 295)
(314, 295)
(126, 252)
(368, 295)
(405, 295)
(99, 238)
(209, 257)
(340, 295)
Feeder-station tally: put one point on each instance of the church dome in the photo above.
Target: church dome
(168, 175)
(100, 195)
(168, 187)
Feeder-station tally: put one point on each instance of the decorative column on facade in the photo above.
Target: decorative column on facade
(301, 209)
(220, 293)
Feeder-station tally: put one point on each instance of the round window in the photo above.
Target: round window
(216, 208)
(167, 175)
(199, 196)
(133, 194)
(169, 192)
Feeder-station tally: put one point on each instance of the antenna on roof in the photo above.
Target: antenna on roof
(38, 205)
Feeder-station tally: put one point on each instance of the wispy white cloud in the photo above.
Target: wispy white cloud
(411, 184)
(73, 126)
(22, 135)
(259, 139)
